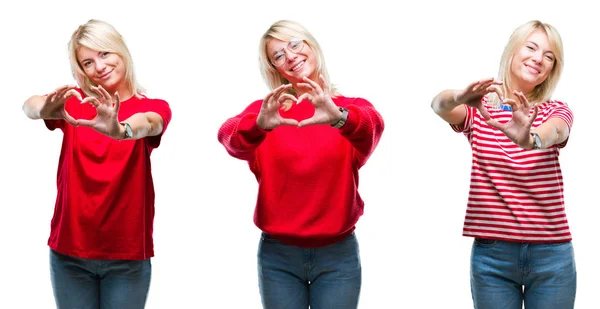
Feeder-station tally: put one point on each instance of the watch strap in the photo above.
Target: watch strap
(128, 131)
(342, 120)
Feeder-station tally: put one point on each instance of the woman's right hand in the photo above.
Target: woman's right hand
(53, 106)
(268, 117)
(472, 95)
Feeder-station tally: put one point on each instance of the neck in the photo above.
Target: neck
(526, 90)
(124, 92)
(511, 95)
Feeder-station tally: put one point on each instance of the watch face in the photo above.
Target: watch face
(537, 141)
(128, 131)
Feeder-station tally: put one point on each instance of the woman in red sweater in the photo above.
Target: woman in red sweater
(101, 232)
(305, 143)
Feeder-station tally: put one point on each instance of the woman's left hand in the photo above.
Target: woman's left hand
(518, 129)
(326, 112)
(106, 121)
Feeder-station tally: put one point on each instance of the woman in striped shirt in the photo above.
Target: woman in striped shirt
(522, 251)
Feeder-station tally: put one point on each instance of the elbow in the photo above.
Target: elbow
(27, 107)
(435, 106)
(436, 103)
(441, 103)
(153, 124)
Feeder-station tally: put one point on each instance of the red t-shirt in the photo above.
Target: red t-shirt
(105, 202)
(307, 177)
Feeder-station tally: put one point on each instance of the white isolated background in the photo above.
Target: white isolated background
(202, 59)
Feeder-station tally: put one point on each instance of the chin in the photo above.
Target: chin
(534, 81)
(295, 78)
(302, 73)
(110, 85)
(529, 79)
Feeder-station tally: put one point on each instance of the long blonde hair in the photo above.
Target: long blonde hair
(100, 36)
(542, 92)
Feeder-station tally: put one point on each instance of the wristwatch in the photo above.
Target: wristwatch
(343, 120)
(128, 131)
(537, 142)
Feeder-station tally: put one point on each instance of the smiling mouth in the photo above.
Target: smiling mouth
(298, 66)
(105, 75)
(533, 69)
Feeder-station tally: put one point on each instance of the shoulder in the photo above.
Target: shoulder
(144, 99)
(146, 104)
(553, 105)
(153, 104)
(254, 107)
(343, 101)
(556, 103)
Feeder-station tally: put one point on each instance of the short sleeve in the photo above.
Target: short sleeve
(162, 108)
(466, 126)
(562, 111)
(53, 124)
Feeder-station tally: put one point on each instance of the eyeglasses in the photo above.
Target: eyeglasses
(279, 57)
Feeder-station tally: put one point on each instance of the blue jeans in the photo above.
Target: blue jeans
(504, 275)
(99, 284)
(292, 277)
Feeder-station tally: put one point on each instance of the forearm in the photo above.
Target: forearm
(443, 103)
(33, 106)
(553, 131)
(363, 129)
(144, 124)
(240, 135)
(446, 106)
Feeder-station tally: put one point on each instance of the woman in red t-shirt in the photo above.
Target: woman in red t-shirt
(522, 251)
(305, 143)
(101, 231)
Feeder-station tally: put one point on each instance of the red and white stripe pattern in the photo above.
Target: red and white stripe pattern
(515, 194)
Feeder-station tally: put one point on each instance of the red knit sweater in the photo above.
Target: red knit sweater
(308, 177)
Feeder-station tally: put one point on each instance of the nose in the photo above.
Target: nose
(289, 55)
(538, 56)
(100, 66)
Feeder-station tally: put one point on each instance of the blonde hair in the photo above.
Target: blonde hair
(285, 30)
(542, 92)
(100, 36)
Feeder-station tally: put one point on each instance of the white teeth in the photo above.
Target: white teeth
(297, 66)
